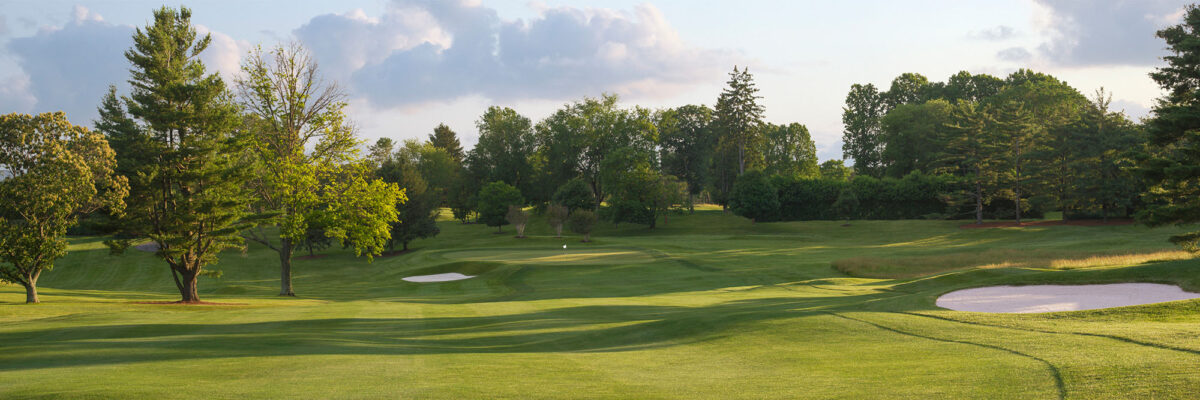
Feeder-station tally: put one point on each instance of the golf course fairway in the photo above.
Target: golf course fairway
(707, 306)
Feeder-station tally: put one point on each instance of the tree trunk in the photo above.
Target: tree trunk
(404, 247)
(587, 237)
(741, 157)
(978, 203)
(285, 267)
(1017, 198)
(187, 290)
(558, 231)
(31, 296)
(1017, 185)
(691, 203)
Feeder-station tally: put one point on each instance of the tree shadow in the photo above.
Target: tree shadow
(608, 328)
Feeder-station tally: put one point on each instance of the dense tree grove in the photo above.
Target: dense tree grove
(1024, 144)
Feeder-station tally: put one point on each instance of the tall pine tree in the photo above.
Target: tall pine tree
(1173, 169)
(191, 198)
(738, 118)
(445, 138)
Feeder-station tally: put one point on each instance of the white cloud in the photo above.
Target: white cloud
(1080, 33)
(15, 94)
(1015, 54)
(1132, 109)
(68, 68)
(997, 33)
(224, 53)
(81, 14)
(439, 51)
(345, 43)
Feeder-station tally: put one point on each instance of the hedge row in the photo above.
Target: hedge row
(915, 196)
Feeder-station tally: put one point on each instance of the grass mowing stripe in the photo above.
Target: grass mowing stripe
(1098, 335)
(1054, 372)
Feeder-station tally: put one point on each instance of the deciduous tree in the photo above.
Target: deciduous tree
(306, 156)
(687, 143)
(506, 143)
(556, 216)
(789, 150)
(494, 200)
(861, 140)
(518, 218)
(582, 222)
(50, 173)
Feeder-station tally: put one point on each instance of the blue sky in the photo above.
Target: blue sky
(411, 64)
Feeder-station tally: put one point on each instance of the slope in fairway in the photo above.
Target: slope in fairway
(709, 306)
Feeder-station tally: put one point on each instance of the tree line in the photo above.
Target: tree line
(197, 165)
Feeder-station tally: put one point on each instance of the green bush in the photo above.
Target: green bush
(494, 200)
(754, 197)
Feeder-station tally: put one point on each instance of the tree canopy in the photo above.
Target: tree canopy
(50, 173)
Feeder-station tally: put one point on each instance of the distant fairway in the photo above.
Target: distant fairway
(707, 306)
(573, 255)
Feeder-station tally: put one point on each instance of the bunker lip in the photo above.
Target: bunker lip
(446, 277)
(1056, 298)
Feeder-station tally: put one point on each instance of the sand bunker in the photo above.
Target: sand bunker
(452, 276)
(1051, 298)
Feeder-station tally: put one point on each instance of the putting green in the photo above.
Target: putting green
(552, 256)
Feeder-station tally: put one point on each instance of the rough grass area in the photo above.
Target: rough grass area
(910, 267)
(707, 306)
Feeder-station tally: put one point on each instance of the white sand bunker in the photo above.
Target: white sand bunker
(1051, 298)
(453, 276)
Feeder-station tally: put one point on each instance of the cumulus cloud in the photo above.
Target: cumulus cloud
(345, 43)
(15, 95)
(68, 68)
(1106, 32)
(224, 53)
(1015, 54)
(997, 33)
(422, 51)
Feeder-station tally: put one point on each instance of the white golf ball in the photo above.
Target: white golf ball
(564, 246)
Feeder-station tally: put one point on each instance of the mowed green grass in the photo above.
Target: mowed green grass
(707, 306)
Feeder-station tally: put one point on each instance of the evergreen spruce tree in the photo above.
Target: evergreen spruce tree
(1173, 166)
(738, 118)
(445, 138)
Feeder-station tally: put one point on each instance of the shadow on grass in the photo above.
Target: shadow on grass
(573, 329)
